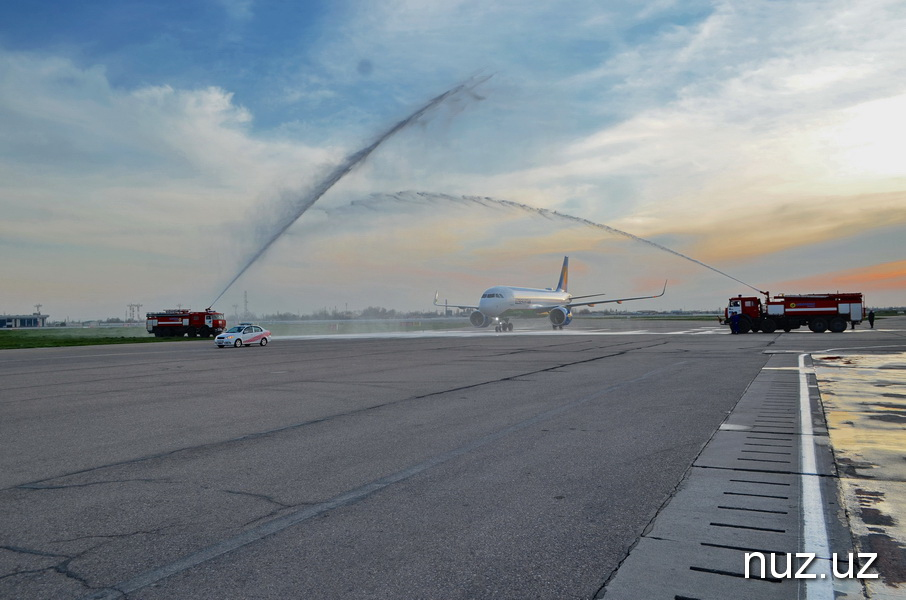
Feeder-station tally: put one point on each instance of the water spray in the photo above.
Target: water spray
(558, 215)
(303, 203)
(543, 212)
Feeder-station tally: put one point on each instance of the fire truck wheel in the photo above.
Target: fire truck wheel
(838, 325)
(745, 324)
(237, 344)
(264, 341)
(818, 325)
(768, 325)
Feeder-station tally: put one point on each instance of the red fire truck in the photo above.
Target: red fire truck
(819, 312)
(179, 322)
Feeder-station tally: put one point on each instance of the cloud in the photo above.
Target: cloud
(870, 279)
(94, 174)
(56, 115)
(760, 127)
(732, 232)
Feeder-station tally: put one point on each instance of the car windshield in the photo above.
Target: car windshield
(235, 330)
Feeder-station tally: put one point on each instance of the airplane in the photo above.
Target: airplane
(501, 302)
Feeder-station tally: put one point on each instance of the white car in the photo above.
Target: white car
(244, 334)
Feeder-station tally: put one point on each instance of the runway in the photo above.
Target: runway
(432, 466)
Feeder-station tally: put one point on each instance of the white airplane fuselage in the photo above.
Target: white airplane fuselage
(503, 301)
(499, 303)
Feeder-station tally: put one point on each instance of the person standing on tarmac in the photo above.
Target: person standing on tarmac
(734, 323)
(871, 318)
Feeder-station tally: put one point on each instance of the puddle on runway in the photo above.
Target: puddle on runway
(864, 399)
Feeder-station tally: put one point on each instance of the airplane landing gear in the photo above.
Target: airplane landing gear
(503, 327)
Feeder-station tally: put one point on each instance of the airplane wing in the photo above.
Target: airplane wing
(617, 300)
(447, 305)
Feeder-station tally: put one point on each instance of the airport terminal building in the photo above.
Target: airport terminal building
(32, 320)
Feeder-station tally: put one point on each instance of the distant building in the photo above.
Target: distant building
(32, 320)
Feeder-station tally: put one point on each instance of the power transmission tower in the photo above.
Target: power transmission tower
(134, 311)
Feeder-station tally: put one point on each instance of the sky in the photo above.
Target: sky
(148, 148)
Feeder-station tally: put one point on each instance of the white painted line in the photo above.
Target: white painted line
(814, 529)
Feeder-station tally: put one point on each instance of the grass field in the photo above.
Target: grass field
(47, 337)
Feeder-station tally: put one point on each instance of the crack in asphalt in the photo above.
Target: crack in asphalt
(111, 536)
(21, 550)
(260, 497)
(281, 506)
(528, 374)
(40, 484)
(350, 497)
(63, 567)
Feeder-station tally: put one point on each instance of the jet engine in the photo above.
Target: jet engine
(479, 319)
(559, 316)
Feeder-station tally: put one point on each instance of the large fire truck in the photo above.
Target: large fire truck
(819, 312)
(180, 322)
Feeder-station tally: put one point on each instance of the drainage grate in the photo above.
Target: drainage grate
(740, 496)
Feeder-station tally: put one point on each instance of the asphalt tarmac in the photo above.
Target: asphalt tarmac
(447, 465)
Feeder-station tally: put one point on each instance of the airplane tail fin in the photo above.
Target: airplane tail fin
(564, 275)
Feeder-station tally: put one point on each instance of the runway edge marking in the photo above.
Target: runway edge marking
(814, 526)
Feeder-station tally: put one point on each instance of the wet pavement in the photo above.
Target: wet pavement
(864, 398)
